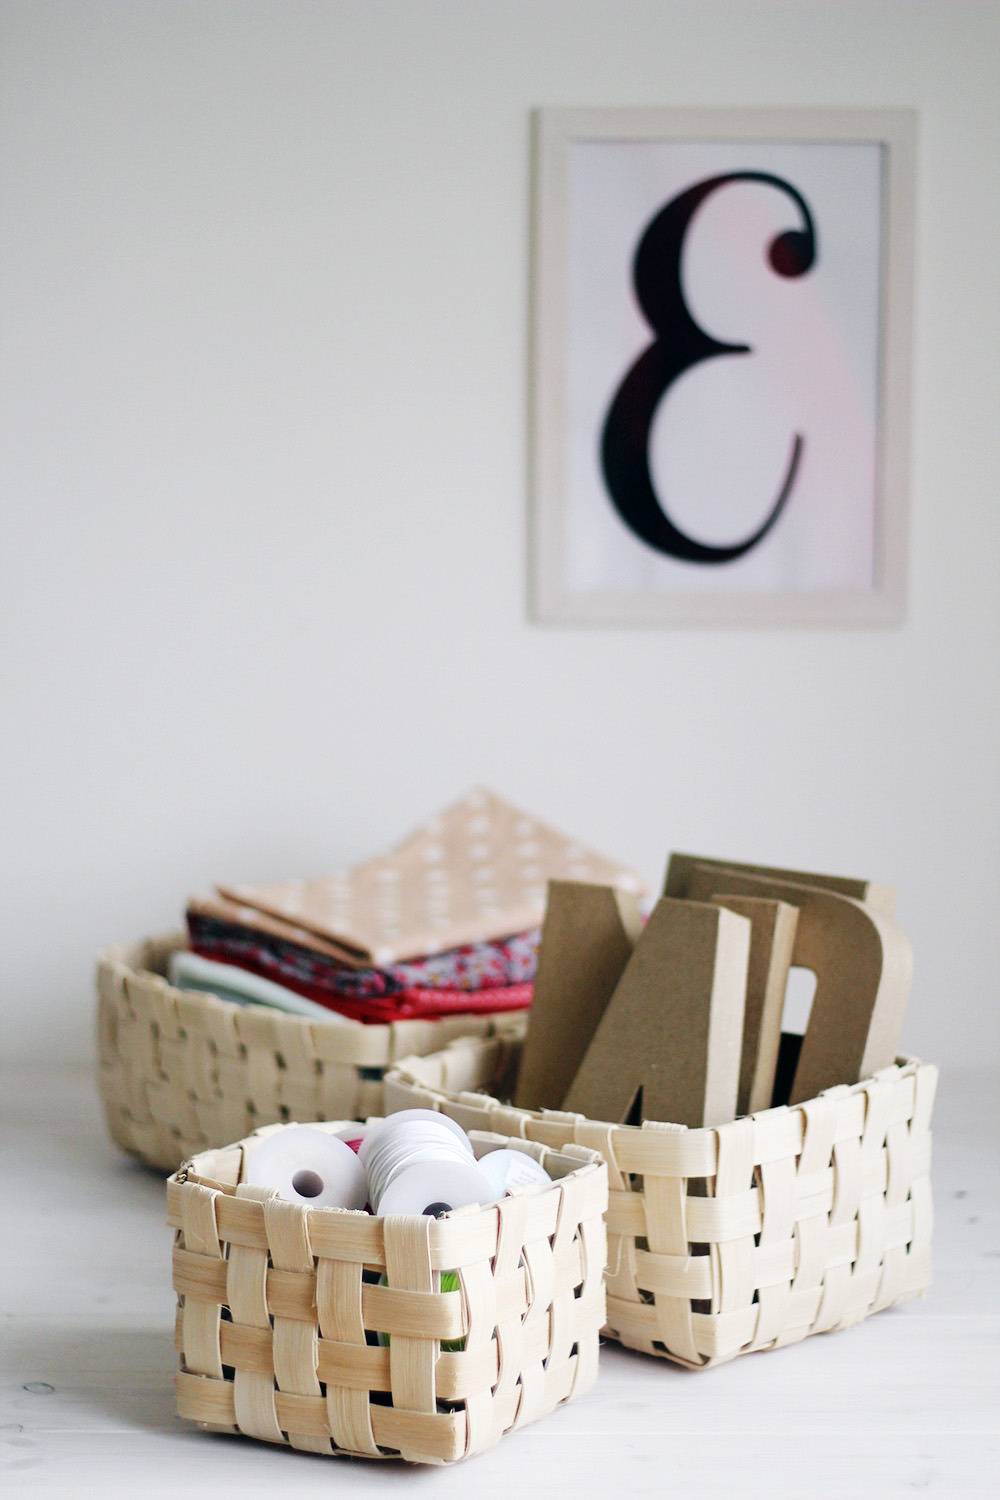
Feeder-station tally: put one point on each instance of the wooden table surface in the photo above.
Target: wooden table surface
(906, 1402)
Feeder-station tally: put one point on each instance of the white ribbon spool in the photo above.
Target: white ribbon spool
(508, 1169)
(388, 1129)
(309, 1167)
(434, 1188)
(421, 1162)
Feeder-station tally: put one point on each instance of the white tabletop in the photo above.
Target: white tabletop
(906, 1402)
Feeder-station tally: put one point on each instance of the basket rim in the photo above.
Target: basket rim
(355, 1234)
(570, 1159)
(407, 1071)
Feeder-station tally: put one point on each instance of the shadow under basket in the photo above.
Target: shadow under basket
(180, 1071)
(327, 1329)
(745, 1237)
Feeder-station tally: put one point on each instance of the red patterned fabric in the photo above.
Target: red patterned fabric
(476, 966)
(404, 1005)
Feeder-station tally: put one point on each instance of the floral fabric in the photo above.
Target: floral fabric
(471, 967)
(399, 1005)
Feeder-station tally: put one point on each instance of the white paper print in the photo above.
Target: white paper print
(761, 465)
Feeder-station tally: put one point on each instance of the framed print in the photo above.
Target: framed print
(720, 403)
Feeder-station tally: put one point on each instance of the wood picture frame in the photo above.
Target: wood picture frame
(588, 566)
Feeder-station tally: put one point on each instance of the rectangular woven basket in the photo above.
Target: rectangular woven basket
(180, 1071)
(326, 1330)
(741, 1238)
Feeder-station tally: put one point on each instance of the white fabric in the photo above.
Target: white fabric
(189, 971)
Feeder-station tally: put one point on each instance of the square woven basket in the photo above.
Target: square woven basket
(746, 1237)
(326, 1329)
(180, 1071)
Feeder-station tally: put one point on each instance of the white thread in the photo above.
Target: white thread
(404, 1116)
(309, 1167)
(507, 1169)
(435, 1188)
(434, 1143)
(392, 1154)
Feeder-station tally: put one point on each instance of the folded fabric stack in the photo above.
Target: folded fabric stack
(445, 924)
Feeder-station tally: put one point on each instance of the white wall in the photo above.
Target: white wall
(264, 284)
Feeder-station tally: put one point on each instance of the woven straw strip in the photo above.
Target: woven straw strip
(250, 1350)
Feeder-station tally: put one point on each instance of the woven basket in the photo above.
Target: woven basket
(181, 1071)
(741, 1238)
(322, 1329)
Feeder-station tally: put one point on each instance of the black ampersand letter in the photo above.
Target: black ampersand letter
(681, 344)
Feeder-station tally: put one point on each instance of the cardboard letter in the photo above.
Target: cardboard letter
(772, 942)
(673, 1025)
(587, 939)
(880, 898)
(863, 965)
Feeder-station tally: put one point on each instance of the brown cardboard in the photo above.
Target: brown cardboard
(863, 966)
(475, 871)
(880, 898)
(223, 910)
(673, 1026)
(587, 939)
(772, 942)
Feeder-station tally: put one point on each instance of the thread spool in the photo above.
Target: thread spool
(412, 1135)
(421, 1162)
(418, 1145)
(507, 1169)
(434, 1188)
(374, 1131)
(308, 1167)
